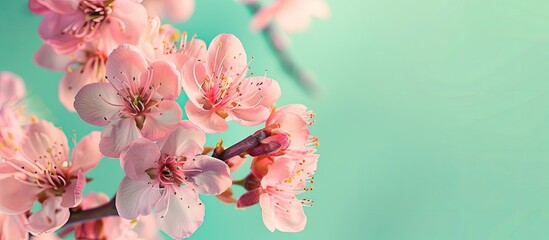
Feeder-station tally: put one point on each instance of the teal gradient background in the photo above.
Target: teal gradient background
(433, 117)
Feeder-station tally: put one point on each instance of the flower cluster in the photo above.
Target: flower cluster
(124, 71)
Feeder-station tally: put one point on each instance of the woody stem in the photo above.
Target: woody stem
(108, 209)
(241, 147)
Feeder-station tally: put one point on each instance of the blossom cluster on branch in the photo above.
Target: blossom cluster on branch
(124, 71)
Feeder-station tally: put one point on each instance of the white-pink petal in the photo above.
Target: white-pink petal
(186, 140)
(136, 198)
(161, 120)
(212, 176)
(86, 154)
(98, 104)
(138, 157)
(116, 136)
(179, 215)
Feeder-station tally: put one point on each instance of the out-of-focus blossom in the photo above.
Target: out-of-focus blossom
(168, 176)
(44, 171)
(13, 226)
(12, 90)
(84, 66)
(113, 227)
(290, 15)
(219, 90)
(175, 10)
(165, 42)
(138, 101)
(69, 24)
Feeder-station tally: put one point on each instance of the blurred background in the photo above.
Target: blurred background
(432, 119)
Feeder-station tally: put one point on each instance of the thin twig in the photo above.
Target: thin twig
(274, 39)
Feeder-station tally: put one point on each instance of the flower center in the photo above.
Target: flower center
(96, 14)
(170, 171)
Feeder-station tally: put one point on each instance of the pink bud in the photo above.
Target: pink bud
(271, 146)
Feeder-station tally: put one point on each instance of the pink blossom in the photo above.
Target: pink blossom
(112, 227)
(12, 90)
(289, 137)
(168, 176)
(161, 42)
(290, 15)
(44, 171)
(293, 120)
(13, 226)
(175, 10)
(68, 24)
(219, 91)
(84, 66)
(138, 101)
(280, 207)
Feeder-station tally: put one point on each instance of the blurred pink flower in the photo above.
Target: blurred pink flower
(12, 90)
(175, 10)
(155, 174)
(44, 171)
(290, 15)
(68, 24)
(113, 227)
(13, 226)
(139, 100)
(219, 91)
(84, 66)
(161, 42)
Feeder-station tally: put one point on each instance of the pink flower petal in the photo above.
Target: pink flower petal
(162, 120)
(125, 65)
(98, 103)
(128, 19)
(51, 31)
(186, 140)
(135, 198)
(16, 197)
(47, 58)
(209, 121)
(61, 6)
(165, 79)
(279, 172)
(86, 154)
(249, 116)
(262, 18)
(116, 136)
(193, 74)
(43, 138)
(259, 91)
(226, 54)
(235, 162)
(74, 80)
(282, 215)
(179, 10)
(12, 89)
(36, 7)
(73, 192)
(213, 178)
(48, 219)
(179, 215)
(13, 226)
(138, 157)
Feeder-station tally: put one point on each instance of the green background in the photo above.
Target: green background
(432, 119)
